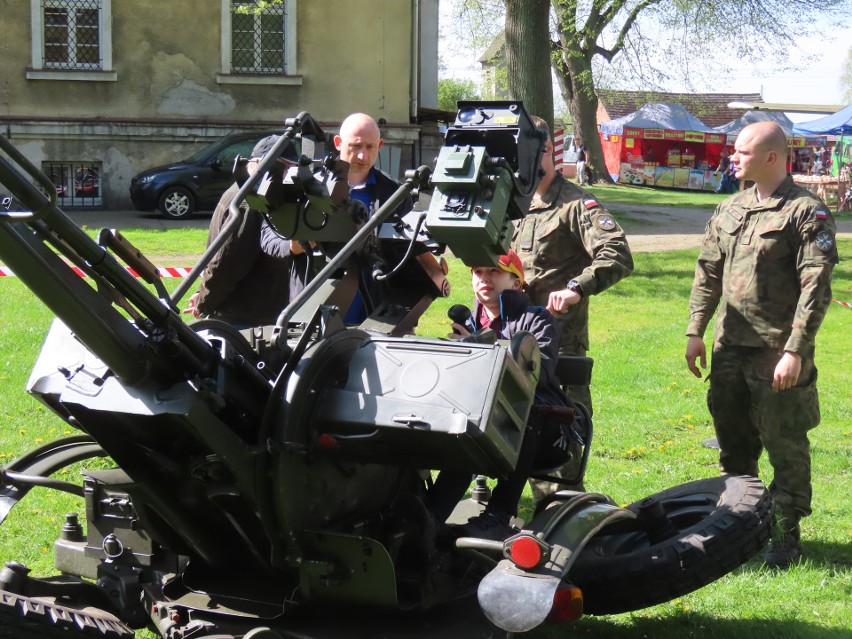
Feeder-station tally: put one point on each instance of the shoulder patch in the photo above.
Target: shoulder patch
(821, 213)
(824, 241)
(590, 203)
(605, 222)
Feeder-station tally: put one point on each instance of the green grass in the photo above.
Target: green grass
(647, 196)
(168, 245)
(650, 420)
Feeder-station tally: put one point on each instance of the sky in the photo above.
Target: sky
(817, 82)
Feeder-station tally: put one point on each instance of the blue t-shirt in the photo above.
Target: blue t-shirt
(357, 312)
(364, 192)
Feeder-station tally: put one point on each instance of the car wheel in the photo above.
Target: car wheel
(177, 203)
(683, 539)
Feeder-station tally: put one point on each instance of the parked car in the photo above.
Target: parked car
(180, 189)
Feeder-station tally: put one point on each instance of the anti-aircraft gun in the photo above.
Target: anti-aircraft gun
(267, 478)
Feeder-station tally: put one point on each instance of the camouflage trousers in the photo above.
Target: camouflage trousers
(581, 395)
(749, 416)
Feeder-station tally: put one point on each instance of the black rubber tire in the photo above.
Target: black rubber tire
(177, 203)
(721, 523)
(28, 618)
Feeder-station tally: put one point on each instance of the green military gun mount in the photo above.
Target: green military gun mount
(269, 483)
(480, 188)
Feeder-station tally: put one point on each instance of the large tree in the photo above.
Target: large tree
(451, 91)
(646, 44)
(528, 57)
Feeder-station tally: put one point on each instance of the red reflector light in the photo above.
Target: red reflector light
(567, 605)
(526, 552)
(327, 441)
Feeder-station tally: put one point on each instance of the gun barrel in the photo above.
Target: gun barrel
(27, 241)
(89, 315)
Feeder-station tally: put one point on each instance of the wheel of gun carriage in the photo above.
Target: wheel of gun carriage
(683, 538)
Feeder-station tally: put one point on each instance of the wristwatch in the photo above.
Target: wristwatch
(574, 285)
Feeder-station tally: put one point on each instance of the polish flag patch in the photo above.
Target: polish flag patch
(591, 203)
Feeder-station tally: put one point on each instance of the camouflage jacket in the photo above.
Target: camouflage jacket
(567, 235)
(770, 264)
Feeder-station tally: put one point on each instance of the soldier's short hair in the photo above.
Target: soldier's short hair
(541, 123)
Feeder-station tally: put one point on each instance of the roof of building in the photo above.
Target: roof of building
(711, 108)
(494, 49)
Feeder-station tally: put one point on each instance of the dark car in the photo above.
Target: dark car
(180, 189)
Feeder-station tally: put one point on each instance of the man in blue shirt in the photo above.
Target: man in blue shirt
(359, 142)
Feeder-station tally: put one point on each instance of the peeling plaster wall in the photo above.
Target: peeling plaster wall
(167, 62)
(167, 59)
(192, 99)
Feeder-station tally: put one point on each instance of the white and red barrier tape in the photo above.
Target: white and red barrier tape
(182, 271)
(165, 271)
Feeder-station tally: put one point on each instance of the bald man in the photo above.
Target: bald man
(766, 261)
(358, 143)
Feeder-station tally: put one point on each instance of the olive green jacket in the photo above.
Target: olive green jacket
(567, 235)
(770, 264)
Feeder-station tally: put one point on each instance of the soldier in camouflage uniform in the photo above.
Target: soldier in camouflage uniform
(768, 253)
(571, 248)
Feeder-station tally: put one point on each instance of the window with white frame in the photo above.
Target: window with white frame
(71, 35)
(259, 43)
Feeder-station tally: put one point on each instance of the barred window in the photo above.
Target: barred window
(78, 183)
(72, 34)
(258, 40)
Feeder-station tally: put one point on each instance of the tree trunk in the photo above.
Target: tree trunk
(573, 70)
(528, 56)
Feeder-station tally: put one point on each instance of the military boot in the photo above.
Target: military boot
(785, 548)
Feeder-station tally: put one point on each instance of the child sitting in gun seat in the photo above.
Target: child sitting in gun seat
(501, 305)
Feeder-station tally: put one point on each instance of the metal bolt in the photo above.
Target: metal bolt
(71, 529)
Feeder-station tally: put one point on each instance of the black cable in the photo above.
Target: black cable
(380, 277)
(45, 482)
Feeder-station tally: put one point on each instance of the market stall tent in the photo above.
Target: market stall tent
(750, 117)
(797, 144)
(663, 145)
(839, 124)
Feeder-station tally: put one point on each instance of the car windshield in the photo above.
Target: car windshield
(203, 152)
(227, 152)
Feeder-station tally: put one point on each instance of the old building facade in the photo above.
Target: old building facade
(93, 91)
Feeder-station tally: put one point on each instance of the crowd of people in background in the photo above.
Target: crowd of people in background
(813, 161)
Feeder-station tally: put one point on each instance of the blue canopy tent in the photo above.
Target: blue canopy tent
(839, 124)
(795, 142)
(750, 117)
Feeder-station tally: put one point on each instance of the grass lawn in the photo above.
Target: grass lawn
(650, 420)
(646, 196)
